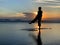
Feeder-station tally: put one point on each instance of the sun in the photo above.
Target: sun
(35, 13)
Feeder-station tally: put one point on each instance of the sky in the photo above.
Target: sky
(26, 8)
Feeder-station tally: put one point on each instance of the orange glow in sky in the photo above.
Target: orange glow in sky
(44, 15)
(49, 15)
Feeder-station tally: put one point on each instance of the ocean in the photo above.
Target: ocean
(24, 33)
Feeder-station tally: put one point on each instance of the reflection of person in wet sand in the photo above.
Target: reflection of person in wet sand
(38, 17)
(39, 42)
(38, 39)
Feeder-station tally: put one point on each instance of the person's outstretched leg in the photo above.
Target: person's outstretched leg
(33, 20)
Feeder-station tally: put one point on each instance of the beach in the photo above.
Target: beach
(20, 33)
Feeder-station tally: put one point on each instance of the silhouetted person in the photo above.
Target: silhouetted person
(38, 39)
(38, 17)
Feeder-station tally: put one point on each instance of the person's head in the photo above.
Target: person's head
(39, 8)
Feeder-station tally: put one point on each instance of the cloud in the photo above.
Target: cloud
(4, 12)
(20, 15)
(47, 2)
(43, 1)
(54, 6)
(29, 16)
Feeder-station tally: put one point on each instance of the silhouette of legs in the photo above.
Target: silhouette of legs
(39, 24)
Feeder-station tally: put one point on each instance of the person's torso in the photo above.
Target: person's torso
(39, 14)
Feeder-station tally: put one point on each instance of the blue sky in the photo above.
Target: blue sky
(14, 6)
(18, 7)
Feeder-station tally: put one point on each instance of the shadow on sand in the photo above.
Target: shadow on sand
(34, 29)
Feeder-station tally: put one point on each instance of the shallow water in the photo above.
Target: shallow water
(20, 33)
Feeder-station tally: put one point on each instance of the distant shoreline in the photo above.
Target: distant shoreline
(20, 20)
(23, 22)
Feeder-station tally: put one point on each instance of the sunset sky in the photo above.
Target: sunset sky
(28, 8)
